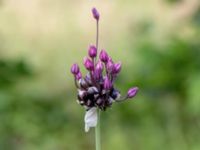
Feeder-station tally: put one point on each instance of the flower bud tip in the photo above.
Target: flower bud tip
(104, 56)
(88, 64)
(75, 69)
(92, 51)
(117, 67)
(107, 83)
(95, 13)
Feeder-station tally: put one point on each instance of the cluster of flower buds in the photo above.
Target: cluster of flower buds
(96, 89)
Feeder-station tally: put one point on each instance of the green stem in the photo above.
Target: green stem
(97, 35)
(98, 133)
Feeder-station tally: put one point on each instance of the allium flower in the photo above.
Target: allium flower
(96, 89)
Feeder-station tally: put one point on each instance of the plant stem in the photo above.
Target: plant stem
(97, 35)
(97, 39)
(97, 132)
(97, 128)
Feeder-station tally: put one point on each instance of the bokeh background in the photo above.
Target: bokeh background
(158, 42)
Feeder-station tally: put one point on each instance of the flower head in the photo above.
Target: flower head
(96, 90)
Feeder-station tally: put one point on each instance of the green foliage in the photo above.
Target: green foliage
(167, 69)
(11, 72)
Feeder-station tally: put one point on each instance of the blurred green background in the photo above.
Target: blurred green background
(158, 42)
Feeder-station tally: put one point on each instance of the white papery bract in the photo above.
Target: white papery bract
(90, 118)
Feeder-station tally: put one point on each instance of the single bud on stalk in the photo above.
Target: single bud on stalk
(95, 14)
(107, 83)
(92, 51)
(88, 64)
(104, 56)
(75, 69)
(132, 92)
(117, 68)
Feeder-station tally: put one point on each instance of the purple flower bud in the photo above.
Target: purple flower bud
(97, 75)
(98, 70)
(117, 68)
(110, 66)
(92, 51)
(88, 64)
(104, 56)
(107, 83)
(99, 67)
(75, 69)
(78, 76)
(95, 13)
(132, 92)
